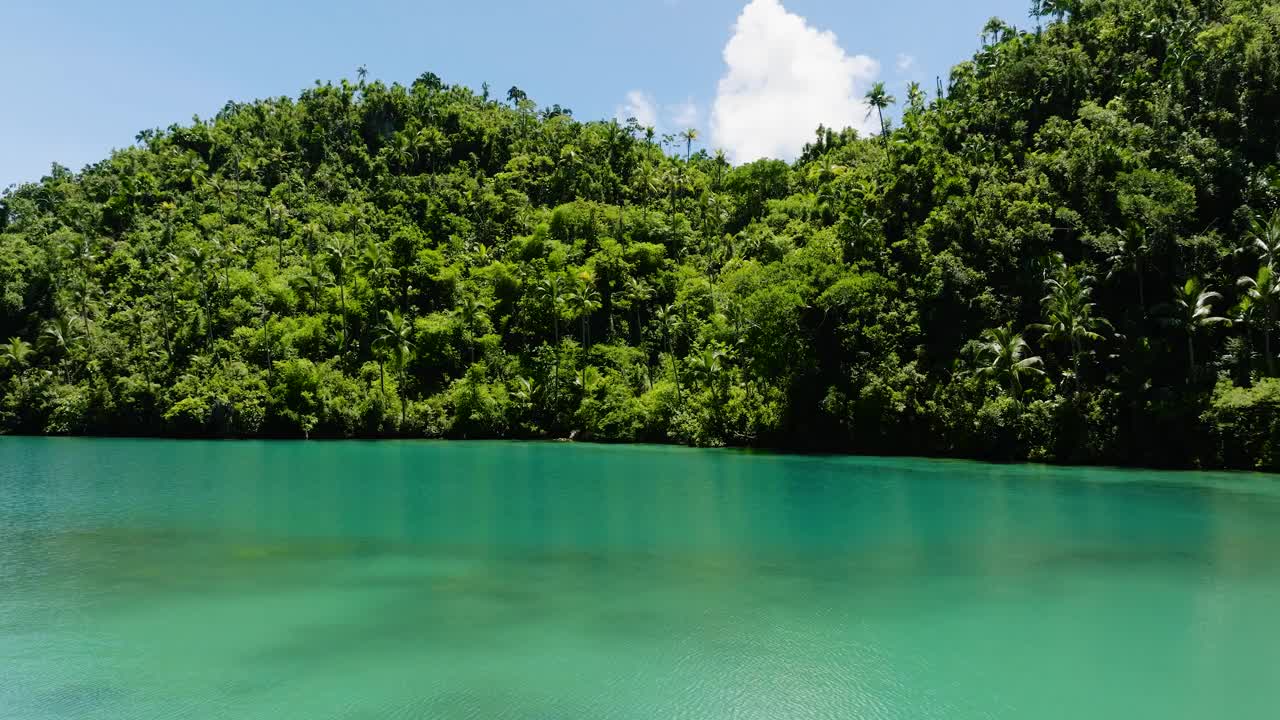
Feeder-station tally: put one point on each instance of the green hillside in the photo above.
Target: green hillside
(1067, 255)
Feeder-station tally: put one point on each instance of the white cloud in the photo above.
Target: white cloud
(905, 62)
(638, 105)
(783, 79)
(684, 115)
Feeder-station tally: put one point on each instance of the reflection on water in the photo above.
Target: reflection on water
(260, 580)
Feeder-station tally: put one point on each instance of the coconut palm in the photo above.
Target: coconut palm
(676, 180)
(471, 312)
(60, 334)
(636, 291)
(340, 251)
(551, 290)
(667, 320)
(878, 99)
(395, 337)
(707, 366)
(1006, 355)
(1131, 250)
(16, 353)
(993, 31)
(1262, 297)
(582, 303)
(375, 263)
(277, 216)
(1191, 311)
(1059, 9)
(689, 136)
(1264, 238)
(1069, 316)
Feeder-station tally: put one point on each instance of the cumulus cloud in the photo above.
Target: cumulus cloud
(638, 105)
(905, 62)
(784, 78)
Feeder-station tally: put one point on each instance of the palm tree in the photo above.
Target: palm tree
(376, 264)
(471, 311)
(993, 30)
(277, 215)
(340, 250)
(60, 333)
(915, 97)
(636, 292)
(689, 136)
(1131, 250)
(675, 180)
(707, 365)
(1006, 354)
(1069, 316)
(1264, 238)
(395, 335)
(1262, 296)
(667, 319)
(1057, 8)
(309, 284)
(582, 303)
(878, 99)
(84, 258)
(405, 152)
(551, 289)
(199, 259)
(646, 186)
(1192, 311)
(16, 353)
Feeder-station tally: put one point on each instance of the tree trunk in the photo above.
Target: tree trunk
(342, 296)
(1142, 295)
(1266, 345)
(675, 369)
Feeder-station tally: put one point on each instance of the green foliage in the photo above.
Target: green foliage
(1067, 254)
(1244, 425)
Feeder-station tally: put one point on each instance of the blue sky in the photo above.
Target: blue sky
(84, 76)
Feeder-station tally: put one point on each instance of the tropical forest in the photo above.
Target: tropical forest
(1066, 251)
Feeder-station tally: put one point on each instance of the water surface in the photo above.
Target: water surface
(493, 581)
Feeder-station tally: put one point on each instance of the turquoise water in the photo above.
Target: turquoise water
(153, 579)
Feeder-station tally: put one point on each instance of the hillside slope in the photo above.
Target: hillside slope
(1066, 257)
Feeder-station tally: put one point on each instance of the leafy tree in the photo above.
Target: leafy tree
(689, 136)
(1130, 255)
(181, 284)
(1191, 311)
(1069, 316)
(582, 303)
(471, 311)
(16, 354)
(1262, 296)
(879, 99)
(1006, 355)
(395, 336)
(340, 250)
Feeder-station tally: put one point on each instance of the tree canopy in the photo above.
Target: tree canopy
(1067, 253)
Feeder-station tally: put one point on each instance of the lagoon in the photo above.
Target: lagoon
(540, 581)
